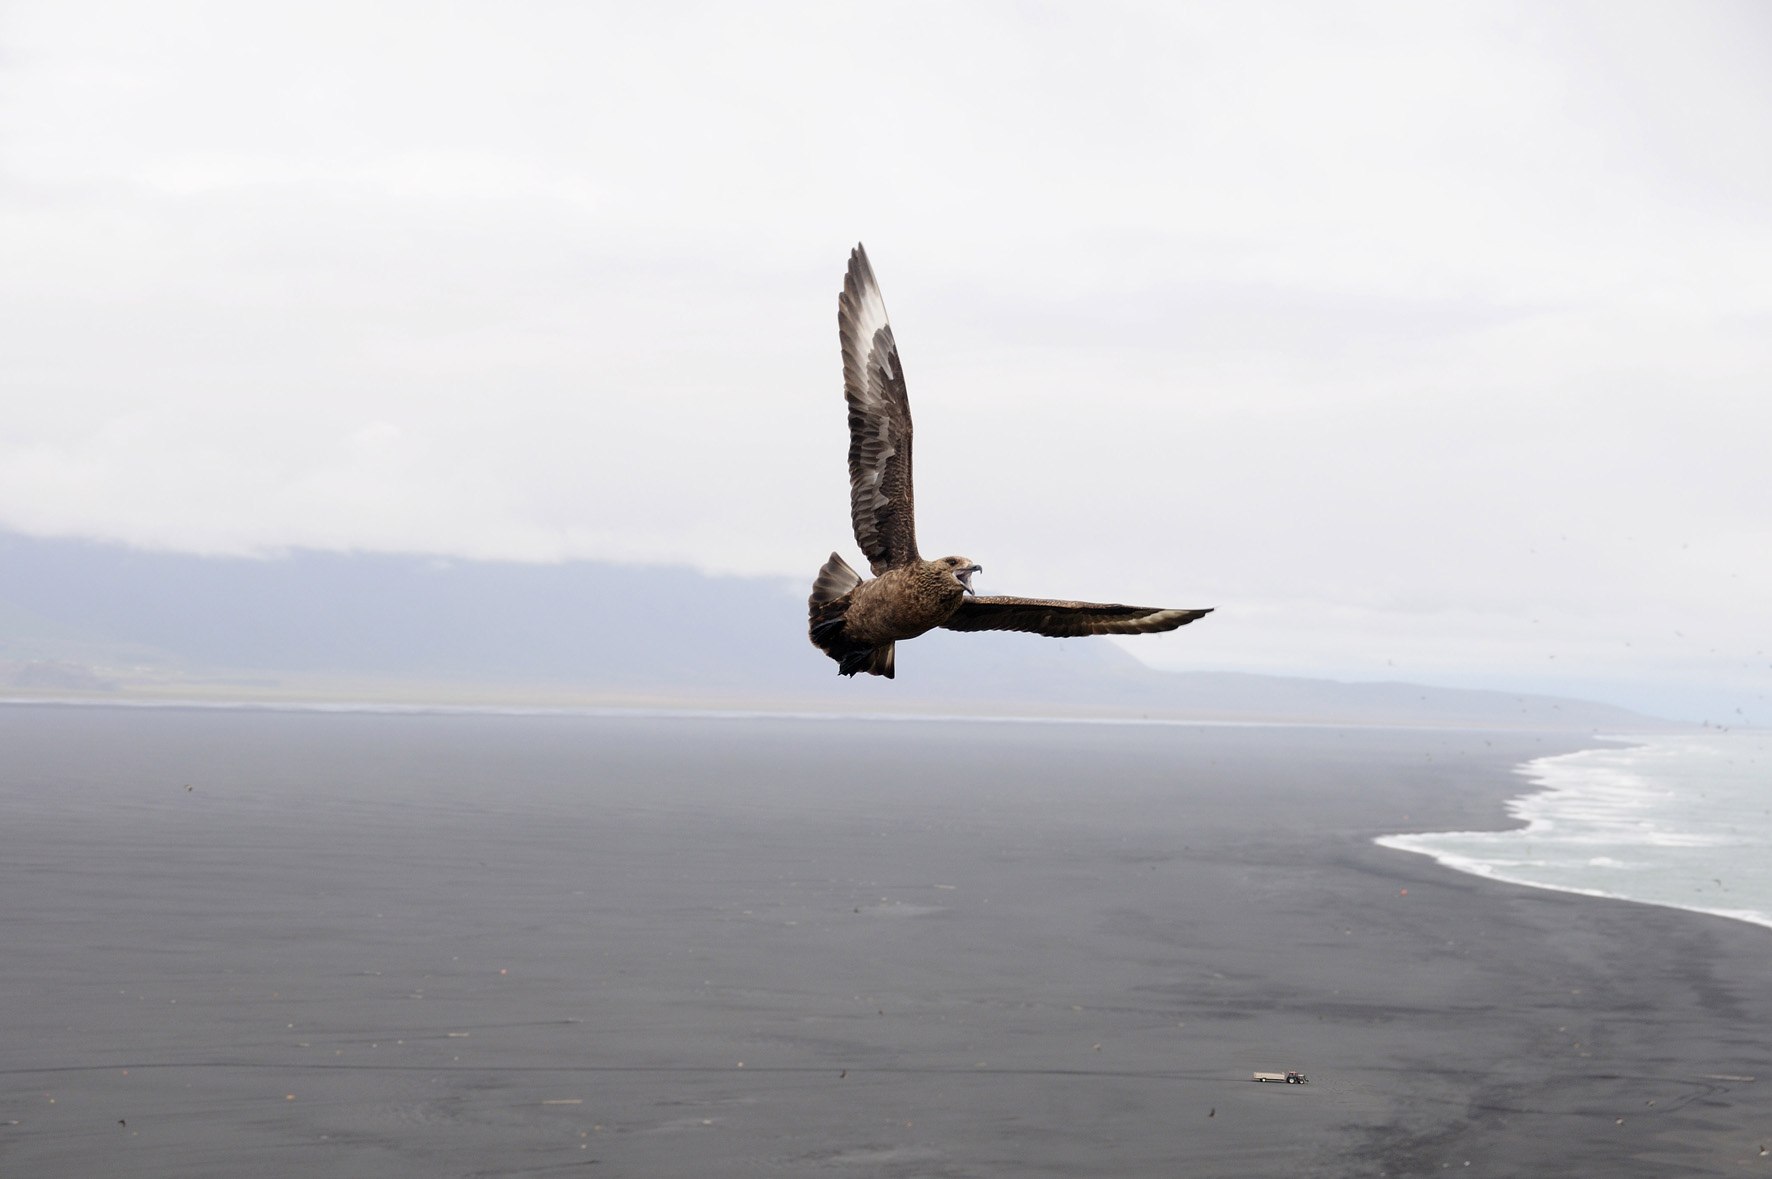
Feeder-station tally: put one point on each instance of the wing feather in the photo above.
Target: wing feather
(880, 502)
(1063, 620)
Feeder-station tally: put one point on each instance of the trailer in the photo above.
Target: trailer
(1290, 1078)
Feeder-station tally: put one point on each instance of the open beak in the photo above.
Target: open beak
(965, 576)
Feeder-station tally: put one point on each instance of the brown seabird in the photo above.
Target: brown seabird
(857, 622)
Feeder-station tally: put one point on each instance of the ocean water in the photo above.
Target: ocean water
(1682, 821)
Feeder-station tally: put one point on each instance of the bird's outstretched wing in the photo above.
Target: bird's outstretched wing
(879, 423)
(1063, 620)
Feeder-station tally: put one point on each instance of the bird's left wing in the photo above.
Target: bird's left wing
(1063, 620)
(880, 497)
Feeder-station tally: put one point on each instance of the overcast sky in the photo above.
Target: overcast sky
(1426, 342)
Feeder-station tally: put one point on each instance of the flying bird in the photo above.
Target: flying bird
(856, 621)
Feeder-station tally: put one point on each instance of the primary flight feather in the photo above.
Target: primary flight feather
(856, 622)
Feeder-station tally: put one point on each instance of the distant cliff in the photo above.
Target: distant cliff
(80, 619)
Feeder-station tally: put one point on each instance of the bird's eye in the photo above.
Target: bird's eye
(951, 561)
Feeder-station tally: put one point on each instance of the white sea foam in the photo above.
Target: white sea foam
(1682, 821)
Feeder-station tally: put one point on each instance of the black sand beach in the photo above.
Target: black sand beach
(297, 944)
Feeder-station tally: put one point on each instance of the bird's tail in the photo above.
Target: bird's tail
(833, 581)
(873, 660)
(826, 607)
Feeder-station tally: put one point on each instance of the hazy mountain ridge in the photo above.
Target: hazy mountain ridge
(86, 619)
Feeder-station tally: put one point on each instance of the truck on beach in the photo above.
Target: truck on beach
(1291, 1078)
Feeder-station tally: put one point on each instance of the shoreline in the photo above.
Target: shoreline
(1540, 787)
(1751, 917)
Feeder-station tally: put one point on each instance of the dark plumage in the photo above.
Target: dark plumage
(856, 621)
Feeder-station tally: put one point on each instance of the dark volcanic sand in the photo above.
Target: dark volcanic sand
(380, 946)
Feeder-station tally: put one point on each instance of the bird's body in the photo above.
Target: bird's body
(903, 603)
(857, 621)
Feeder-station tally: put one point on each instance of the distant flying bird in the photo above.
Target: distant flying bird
(857, 622)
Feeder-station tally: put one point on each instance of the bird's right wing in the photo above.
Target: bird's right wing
(1063, 620)
(879, 423)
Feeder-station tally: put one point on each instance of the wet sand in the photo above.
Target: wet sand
(418, 946)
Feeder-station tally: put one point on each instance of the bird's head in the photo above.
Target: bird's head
(961, 569)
